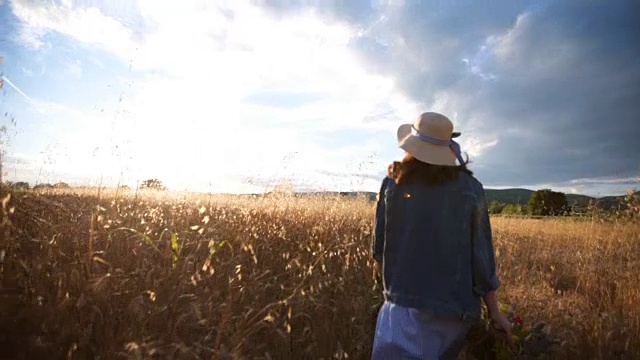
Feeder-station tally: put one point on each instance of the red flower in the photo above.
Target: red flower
(518, 320)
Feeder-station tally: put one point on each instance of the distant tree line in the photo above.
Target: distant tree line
(23, 185)
(543, 202)
(153, 184)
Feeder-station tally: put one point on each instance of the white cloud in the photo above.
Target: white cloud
(87, 25)
(27, 72)
(74, 69)
(475, 148)
(195, 117)
(505, 45)
(541, 51)
(607, 181)
(31, 37)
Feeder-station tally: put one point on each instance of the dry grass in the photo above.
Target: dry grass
(276, 278)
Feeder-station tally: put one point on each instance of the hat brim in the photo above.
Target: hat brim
(424, 151)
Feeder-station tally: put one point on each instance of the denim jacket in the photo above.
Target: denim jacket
(435, 246)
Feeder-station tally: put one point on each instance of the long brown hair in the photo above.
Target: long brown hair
(411, 170)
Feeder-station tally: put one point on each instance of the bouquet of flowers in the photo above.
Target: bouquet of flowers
(486, 341)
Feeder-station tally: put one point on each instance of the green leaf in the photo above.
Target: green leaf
(176, 248)
(143, 236)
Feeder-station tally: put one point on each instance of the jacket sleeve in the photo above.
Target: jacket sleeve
(485, 278)
(379, 224)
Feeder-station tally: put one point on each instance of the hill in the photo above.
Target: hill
(506, 196)
(521, 196)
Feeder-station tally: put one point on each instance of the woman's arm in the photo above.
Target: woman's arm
(379, 224)
(491, 302)
(496, 315)
(485, 278)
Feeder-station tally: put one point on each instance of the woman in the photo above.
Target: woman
(434, 245)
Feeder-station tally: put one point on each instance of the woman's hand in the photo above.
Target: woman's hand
(503, 323)
(496, 315)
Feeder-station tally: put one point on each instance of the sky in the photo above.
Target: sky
(249, 96)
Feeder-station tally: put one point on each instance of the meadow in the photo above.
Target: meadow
(160, 275)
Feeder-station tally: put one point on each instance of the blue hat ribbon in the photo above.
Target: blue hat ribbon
(455, 147)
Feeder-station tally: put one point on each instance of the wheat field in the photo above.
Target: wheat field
(112, 275)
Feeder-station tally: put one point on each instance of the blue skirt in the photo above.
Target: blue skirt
(406, 333)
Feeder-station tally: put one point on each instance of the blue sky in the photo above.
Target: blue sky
(243, 96)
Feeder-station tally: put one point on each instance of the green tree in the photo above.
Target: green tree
(21, 185)
(632, 205)
(514, 209)
(546, 202)
(43, 186)
(154, 184)
(496, 207)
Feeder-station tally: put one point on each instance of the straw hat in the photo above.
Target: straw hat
(430, 139)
